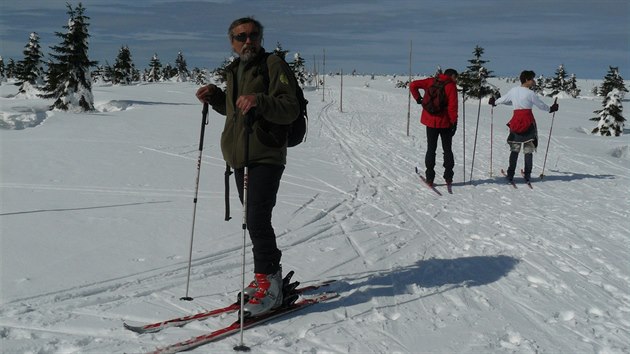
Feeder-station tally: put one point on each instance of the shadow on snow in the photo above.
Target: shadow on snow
(424, 278)
(556, 176)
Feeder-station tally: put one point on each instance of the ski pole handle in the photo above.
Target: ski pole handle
(204, 122)
(204, 111)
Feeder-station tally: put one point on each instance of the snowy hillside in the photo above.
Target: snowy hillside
(96, 214)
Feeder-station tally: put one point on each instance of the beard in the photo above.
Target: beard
(248, 53)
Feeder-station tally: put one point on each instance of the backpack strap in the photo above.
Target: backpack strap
(265, 72)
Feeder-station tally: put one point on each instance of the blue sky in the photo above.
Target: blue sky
(370, 36)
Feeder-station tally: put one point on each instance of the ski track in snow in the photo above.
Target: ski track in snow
(487, 269)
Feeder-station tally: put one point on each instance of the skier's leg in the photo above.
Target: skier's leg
(429, 158)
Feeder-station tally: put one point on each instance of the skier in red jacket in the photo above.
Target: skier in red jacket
(442, 124)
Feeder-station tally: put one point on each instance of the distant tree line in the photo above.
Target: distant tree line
(67, 79)
(67, 76)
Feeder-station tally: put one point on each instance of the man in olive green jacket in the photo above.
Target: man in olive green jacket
(268, 107)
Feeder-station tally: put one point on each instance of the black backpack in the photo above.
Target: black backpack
(434, 100)
(296, 130)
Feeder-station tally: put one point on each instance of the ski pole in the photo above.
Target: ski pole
(472, 166)
(491, 136)
(248, 129)
(204, 122)
(464, 132)
(542, 174)
(482, 74)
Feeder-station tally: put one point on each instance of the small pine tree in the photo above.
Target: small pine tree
(68, 81)
(155, 69)
(474, 79)
(612, 81)
(611, 122)
(541, 82)
(97, 74)
(30, 71)
(200, 76)
(572, 87)
(298, 69)
(558, 83)
(123, 70)
(108, 73)
(181, 68)
(279, 51)
(168, 72)
(11, 69)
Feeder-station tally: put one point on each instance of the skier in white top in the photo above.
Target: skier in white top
(523, 132)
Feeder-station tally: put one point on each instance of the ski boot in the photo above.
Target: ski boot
(268, 296)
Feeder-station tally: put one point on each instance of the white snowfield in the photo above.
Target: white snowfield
(96, 215)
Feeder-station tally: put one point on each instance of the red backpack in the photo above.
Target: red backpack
(435, 101)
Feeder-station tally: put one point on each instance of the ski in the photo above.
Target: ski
(511, 182)
(529, 184)
(426, 183)
(288, 288)
(248, 323)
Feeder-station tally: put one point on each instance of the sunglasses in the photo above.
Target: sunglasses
(242, 37)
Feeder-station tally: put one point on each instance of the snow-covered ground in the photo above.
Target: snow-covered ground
(96, 215)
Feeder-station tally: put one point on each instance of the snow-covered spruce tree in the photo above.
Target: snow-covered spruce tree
(572, 87)
(200, 76)
(279, 51)
(298, 69)
(68, 81)
(10, 69)
(155, 69)
(30, 70)
(474, 79)
(611, 122)
(595, 90)
(541, 82)
(181, 68)
(168, 72)
(108, 73)
(97, 74)
(558, 83)
(123, 70)
(612, 81)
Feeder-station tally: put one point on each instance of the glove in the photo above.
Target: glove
(419, 100)
(204, 93)
(553, 108)
(491, 101)
(453, 129)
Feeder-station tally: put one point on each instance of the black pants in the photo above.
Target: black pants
(262, 188)
(529, 158)
(446, 135)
